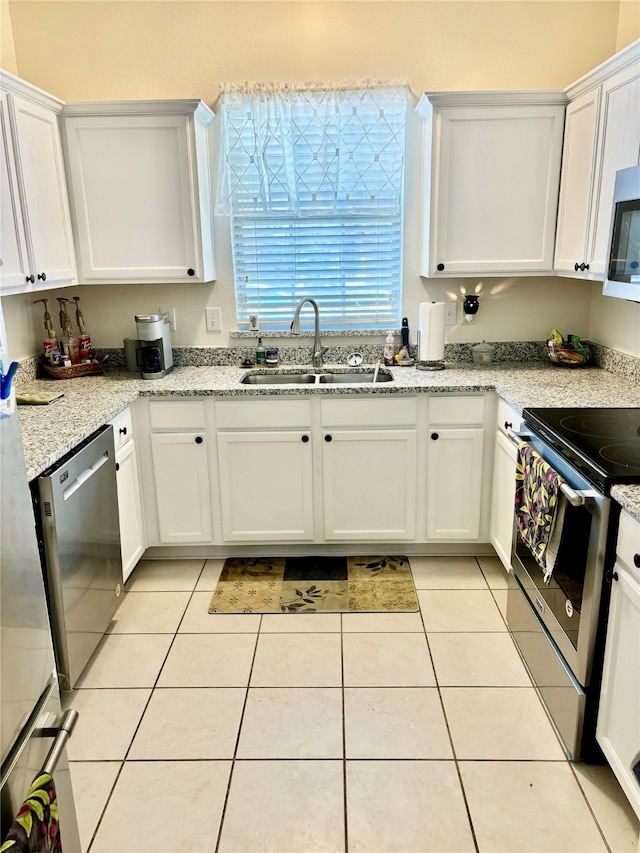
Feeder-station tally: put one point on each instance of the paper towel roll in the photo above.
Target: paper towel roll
(431, 331)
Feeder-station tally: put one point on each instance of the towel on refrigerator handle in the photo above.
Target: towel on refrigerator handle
(35, 828)
(540, 507)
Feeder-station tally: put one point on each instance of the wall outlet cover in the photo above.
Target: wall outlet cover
(172, 316)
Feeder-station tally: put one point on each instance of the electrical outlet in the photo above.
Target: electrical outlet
(172, 317)
(213, 318)
(450, 313)
(254, 324)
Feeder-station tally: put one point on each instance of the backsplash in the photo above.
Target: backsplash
(454, 353)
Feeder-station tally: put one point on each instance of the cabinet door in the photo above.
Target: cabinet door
(369, 484)
(503, 498)
(495, 189)
(45, 207)
(266, 485)
(132, 538)
(618, 148)
(454, 483)
(618, 727)
(183, 499)
(13, 250)
(578, 166)
(134, 189)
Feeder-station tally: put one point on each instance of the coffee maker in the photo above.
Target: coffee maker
(153, 346)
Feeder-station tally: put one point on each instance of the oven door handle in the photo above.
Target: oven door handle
(576, 497)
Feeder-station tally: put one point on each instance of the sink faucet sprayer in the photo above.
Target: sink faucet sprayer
(318, 349)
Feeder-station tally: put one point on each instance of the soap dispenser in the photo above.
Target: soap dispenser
(389, 349)
(261, 354)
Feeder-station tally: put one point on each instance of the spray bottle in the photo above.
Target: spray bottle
(50, 341)
(389, 348)
(72, 349)
(84, 341)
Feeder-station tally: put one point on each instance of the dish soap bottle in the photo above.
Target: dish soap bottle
(389, 349)
(50, 341)
(84, 341)
(261, 355)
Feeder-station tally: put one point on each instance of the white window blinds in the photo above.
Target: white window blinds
(313, 180)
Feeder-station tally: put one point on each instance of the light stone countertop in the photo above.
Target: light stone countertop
(48, 432)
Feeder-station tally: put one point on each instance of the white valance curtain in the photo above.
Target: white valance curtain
(311, 150)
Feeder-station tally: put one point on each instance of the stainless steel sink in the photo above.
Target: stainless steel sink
(365, 377)
(334, 377)
(278, 379)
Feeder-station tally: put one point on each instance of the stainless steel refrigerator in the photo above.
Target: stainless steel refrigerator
(33, 728)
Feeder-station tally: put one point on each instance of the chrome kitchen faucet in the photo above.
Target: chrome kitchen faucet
(318, 349)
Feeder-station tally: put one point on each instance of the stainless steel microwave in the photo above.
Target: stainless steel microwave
(622, 274)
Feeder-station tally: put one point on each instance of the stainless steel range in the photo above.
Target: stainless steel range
(559, 626)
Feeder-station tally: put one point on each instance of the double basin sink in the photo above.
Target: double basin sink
(326, 377)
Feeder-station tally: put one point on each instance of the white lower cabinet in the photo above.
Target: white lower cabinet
(369, 469)
(132, 529)
(315, 469)
(503, 488)
(369, 484)
(455, 466)
(265, 464)
(618, 726)
(266, 485)
(182, 492)
(132, 538)
(175, 466)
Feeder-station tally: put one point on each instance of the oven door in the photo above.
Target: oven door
(569, 604)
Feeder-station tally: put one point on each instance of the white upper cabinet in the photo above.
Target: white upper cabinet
(491, 170)
(36, 249)
(602, 135)
(140, 190)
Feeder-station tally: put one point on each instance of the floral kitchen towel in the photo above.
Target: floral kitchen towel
(35, 827)
(539, 507)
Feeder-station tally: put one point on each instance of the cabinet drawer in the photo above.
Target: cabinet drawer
(122, 428)
(456, 410)
(263, 414)
(629, 543)
(508, 417)
(177, 414)
(370, 412)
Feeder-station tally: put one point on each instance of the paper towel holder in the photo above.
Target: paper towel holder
(470, 306)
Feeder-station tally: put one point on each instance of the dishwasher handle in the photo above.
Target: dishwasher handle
(85, 475)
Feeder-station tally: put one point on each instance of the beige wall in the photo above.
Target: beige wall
(7, 49)
(108, 50)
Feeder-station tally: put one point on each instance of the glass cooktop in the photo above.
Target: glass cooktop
(603, 443)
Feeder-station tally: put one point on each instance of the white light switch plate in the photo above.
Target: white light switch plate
(450, 313)
(213, 318)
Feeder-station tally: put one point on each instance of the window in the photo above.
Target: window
(312, 180)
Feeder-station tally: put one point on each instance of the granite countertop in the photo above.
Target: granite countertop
(49, 432)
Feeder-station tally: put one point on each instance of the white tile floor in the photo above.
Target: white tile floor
(310, 732)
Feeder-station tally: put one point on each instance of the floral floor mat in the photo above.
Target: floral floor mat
(315, 584)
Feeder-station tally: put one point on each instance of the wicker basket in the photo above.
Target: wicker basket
(90, 368)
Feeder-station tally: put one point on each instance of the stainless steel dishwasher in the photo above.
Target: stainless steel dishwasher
(78, 508)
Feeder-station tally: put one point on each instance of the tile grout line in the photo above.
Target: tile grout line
(344, 739)
(235, 748)
(451, 743)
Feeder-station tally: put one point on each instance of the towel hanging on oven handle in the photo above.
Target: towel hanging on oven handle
(576, 497)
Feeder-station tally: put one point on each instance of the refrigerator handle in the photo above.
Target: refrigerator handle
(62, 732)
